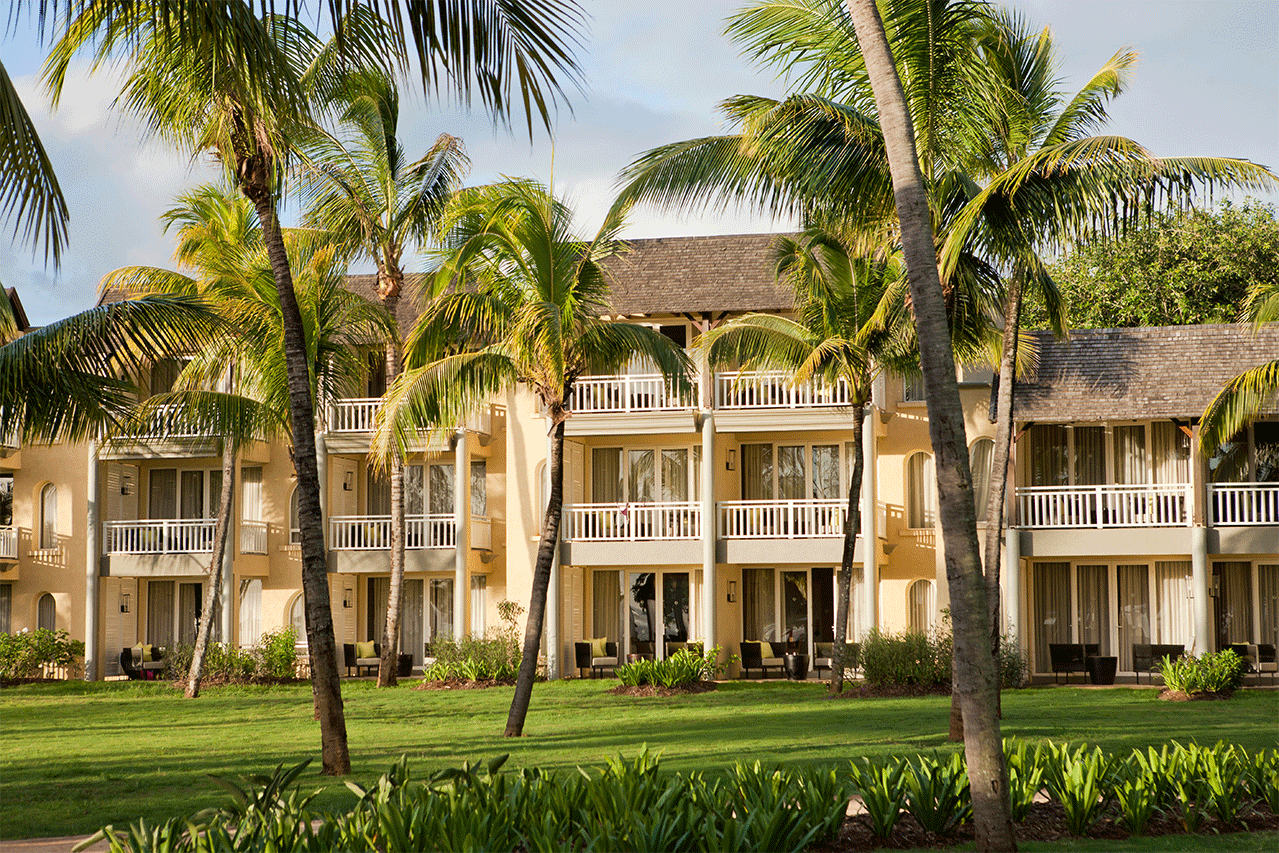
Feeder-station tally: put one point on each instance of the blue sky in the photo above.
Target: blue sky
(1207, 84)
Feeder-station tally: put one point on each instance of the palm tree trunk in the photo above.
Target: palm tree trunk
(541, 583)
(220, 531)
(851, 526)
(976, 677)
(387, 669)
(325, 681)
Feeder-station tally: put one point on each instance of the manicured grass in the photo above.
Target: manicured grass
(77, 756)
(1263, 842)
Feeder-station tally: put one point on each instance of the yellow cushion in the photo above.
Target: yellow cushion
(137, 653)
(148, 652)
(365, 650)
(598, 649)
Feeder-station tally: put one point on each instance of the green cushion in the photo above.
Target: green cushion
(598, 647)
(365, 650)
(148, 653)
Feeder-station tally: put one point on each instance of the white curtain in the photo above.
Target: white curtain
(250, 611)
(920, 605)
(479, 587)
(250, 494)
(1268, 615)
(441, 499)
(1130, 456)
(160, 613)
(606, 606)
(856, 605)
(1051, 598)
(757, 472)
(1171, 453)
(759, 616)
(1134, 611)
(414, 492)
(640, 475)
(297, 618)
(1173, 620)
(791, 482)
(479, 488)
(379, 494)
(980, 455)
(1093, 587)
(606, 475)
(1234, 602)
(411, 638)
(6, 607)
(379, 591)
(442, 608)
(826, 472)
(919, 491)
(49, 516)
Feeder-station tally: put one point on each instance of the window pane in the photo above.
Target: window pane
(1229, 464)
(295, 533)
(1094, 606)
(1130, 455)
(675, 475)
(1173, 622)
(758, 619)
(826, 472)
(379, 491)
(1233, 603)
(606, 475)
(791, 485)
(919, 491)
(163, 497)
(606, 605)
(1090, 456)
(643, 611)
(251, 494)
(920, 607)
(979, 461)
(1265, 439)
(479, 487)
(414, 491)
(6, 608)
(757, 472)
(1047, 455)
(1171, 453)
(160, 613)
(49, 516)
(46, 613)
(192, 494)
(795, 607)
(675, 606)
(1134, 612)
(1051, 595)
(412, 627)
(640, 476)
(823, 605)
(441, 490)
(1268, 616)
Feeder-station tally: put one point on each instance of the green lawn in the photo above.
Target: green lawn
(76, 756)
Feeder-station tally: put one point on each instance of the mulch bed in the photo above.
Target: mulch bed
(1045, 822)
(461, 684)
(655, 690)
(1202, 696)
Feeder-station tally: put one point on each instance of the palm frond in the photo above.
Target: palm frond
(30, 197)
(1244, 399)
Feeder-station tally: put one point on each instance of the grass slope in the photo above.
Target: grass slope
(77, 756)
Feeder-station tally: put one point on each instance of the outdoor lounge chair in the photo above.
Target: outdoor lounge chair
(1066, 658)
(356, 656)
(824, 657)
(753, 656)
(142, 663)
(1146, 657)
(586, 657)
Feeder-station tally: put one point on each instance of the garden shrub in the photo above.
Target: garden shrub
(682, 669)
(906, 659)
(273, 659)
(1220, 672)
(41, 653)
(492, 657)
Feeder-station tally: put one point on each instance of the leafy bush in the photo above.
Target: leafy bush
(682, 669)
(906, 659)
(937, 793)
(493, 657)
(882, 792)
(1080, 781)
(1025, 776)
(1220, 672)
(272, 659)
(278, 653)
(39, 654)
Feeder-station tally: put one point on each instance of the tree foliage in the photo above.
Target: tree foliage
(1184, 268)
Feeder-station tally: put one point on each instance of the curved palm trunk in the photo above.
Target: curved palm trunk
(220, 531)
(387, 669)
(325, 683)
(851, 526)
(541, 583)
(976, 676)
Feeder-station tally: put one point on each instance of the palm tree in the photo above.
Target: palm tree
(528, 312)
(1249, 394)
(833, 339)
(363, 192)
(219, 78)
(30, 192)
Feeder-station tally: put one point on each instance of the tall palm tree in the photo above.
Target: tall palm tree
(29, 193)
(835, 338)
(363, 191)
(518, 300)
(1250, 393)
(219, 78)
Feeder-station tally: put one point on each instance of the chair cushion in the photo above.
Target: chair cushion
(604, 661)
(365, 650)
(772, 661)
(599, 647)
(148, 653)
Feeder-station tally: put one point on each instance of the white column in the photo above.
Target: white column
(93, 561)
(1011, 575)
(552, 591)
(1200, 584)
(228, 570)
(322, 473)
(461, 503)
(870, 512)
(710, 584)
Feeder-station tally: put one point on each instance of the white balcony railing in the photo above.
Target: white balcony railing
(373, 532)
(166, 423)
(354, 415)
(252, 537)
(159, 536)
(769, 390)
(632, 522)
(782, 519)
(637, 393)
(8, 543)
(1245, 503)
(481, 533)
(1149, 505)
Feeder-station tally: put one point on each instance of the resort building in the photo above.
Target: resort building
(714, 516)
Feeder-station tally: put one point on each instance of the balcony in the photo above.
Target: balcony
(632, 534)
(8, 543)
(362, 543)
(351, 423)
(252, 537)
(1102, 507)
(1244, 504)
(157, 547)
(653, 405)
(166, 434)
(761, 400)
(783, 531)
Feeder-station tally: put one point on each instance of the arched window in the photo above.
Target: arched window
(920, 605)
(49, 516)
(297, 617)
(980, 457)
(47, 612)
(920, 504)
(295, 528)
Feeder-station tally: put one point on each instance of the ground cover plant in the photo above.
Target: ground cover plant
(681, 671)
(82, 755)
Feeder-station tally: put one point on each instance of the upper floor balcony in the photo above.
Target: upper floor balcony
(166, 434)
(770, 400)
(651, 404)
(1105, 506)
(8, 543)
(362, 543)
(1240, 504)
(351, 422)
(171, 546)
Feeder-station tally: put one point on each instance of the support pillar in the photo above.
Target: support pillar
(710, 580)
(1011, 575)
(870, 519)
(227, 578)
(322, 473)
(461, 501)
(552, 591)
(93, 561)
(1200, 589)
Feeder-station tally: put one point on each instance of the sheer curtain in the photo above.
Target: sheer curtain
(441, 489)
(606, 606)
(757, 472)
(919, 491)
(1130, 455)
(442, 608)
(1047, 455)
(250, 611)
(192, 494)
(1268, 615)
(160, 613)
(758, 605)
(189, 603)
(379, 591)
(1090, 455)
(1134, 611)
(1093, 585)
(250, 493)
(1173, 621)
(791, 485)
(412, 639)
(414, 491)
(1234, 602)
(675, 475)
(1171, 453)
(826, 472)
(920, 607)
(979, 462)
(162, 501)
(1051, 601)
(606, 475)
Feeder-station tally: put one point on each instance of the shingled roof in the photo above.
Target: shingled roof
(1139, 373)
(694, 274)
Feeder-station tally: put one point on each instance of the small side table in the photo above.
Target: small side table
(796, 666)
(1102, 669)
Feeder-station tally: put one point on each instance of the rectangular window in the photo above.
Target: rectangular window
(791, 482)
(675, 475)
(6, 608)
(758, 619)
(757, 472)
(1171, 453)
(1090, 455)
(479, 584)
(640, 476)
(441, 488)
(441, 592)
(1134, 611)
(606, 475)
(826, 472)
(1172, 603)
(1048, 456)
(250, 493)
(1052, 610)
(1093, 587)
(479, 489)
(163, 495)
(606, 605)
(1131, 467)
